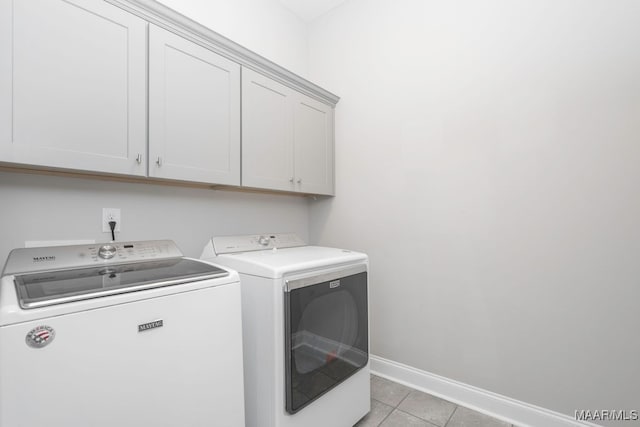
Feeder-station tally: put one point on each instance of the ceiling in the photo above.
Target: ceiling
(308, 10)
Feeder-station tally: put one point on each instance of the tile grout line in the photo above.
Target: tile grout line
(397, 407)
(451, 416)
(403, 399)
(387, 416)
(412, 415)
(393, 408)
(384, 419)
(420, 418)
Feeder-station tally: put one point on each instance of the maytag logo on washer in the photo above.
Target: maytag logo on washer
(151, 325)
(44, 258)
(40, 336)
(334, 284)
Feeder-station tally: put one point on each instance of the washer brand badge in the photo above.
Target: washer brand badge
(334, 284)
(44, 258)
(151, 325)
(40, 336)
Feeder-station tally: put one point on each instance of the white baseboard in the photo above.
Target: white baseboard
(504, 408)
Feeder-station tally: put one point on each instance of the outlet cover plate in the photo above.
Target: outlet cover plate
(109, 214)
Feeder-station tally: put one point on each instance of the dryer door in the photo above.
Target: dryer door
(326, 333)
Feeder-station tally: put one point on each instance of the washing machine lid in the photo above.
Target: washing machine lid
(62, 274)
(276, 263)
(64, 286)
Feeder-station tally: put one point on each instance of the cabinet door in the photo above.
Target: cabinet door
(267, 133)
(73, 86)
(313, 136)
(194, 111)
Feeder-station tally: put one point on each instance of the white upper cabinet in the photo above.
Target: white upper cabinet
(72, 86)
(313, 138)
(287, 138)
(91, 86)
(194, 111)
(267, 133)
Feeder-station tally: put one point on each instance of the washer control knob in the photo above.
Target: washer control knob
(107, 251)
(264, 240)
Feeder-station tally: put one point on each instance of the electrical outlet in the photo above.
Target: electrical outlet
(111, 214)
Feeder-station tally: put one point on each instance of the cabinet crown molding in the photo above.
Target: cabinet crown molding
(163, 16)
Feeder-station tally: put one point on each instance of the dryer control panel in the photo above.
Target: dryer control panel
(255, 242)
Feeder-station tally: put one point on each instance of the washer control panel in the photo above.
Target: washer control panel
(255, 242)
(25, 260)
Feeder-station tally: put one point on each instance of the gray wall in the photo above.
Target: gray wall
(36, 207)
(488, 160)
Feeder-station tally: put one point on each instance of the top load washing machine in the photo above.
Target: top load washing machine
(126, 334)
(305, 329)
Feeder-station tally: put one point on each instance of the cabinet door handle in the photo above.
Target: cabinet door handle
(299, 180)
(291, 179)
(159, 161)
(139, 159)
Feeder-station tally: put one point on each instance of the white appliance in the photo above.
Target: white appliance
(305, 329)
(126, 334)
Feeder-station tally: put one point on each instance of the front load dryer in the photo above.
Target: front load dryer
(305, 329)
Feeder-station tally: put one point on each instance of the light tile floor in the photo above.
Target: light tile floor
(396, 405)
